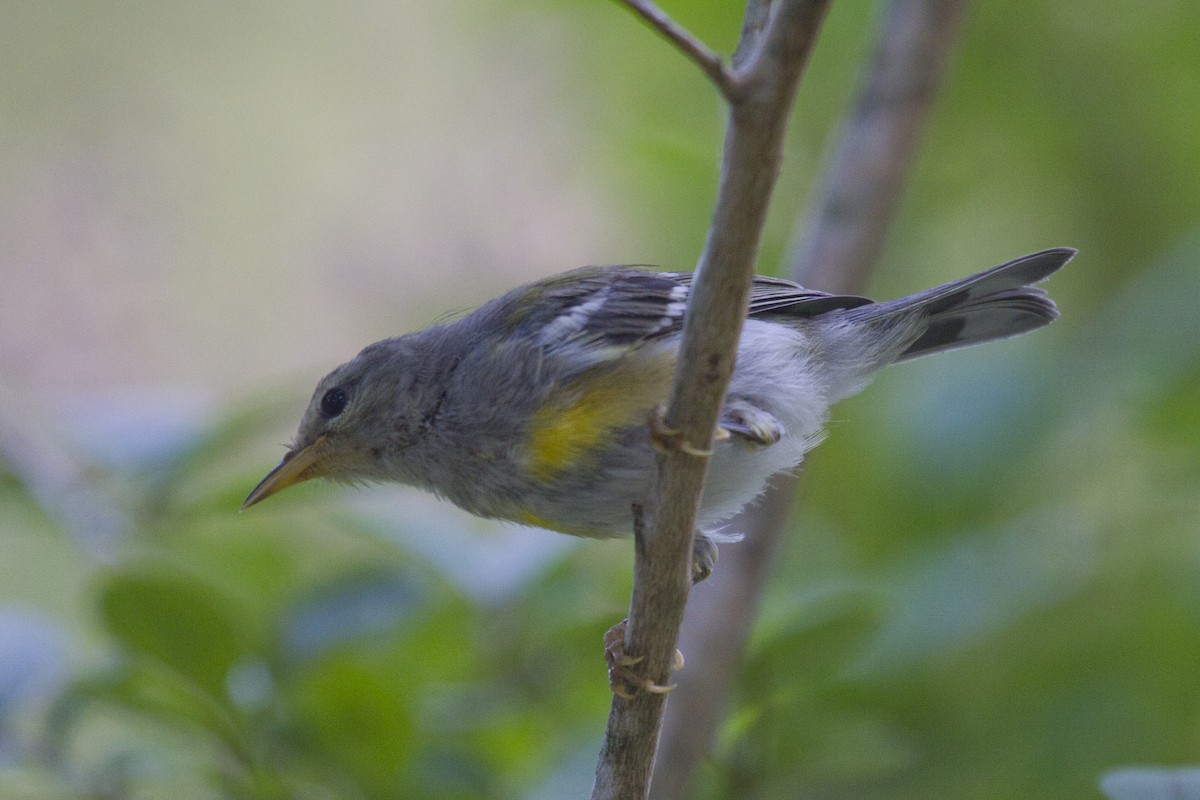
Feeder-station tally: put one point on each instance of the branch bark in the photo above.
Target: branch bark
(767, 76)
(859, 195)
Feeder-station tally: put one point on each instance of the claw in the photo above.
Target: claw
(754, 426)
(666, 439)
(704, 557)
(622, 680)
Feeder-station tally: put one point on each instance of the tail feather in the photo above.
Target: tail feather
(994, 304)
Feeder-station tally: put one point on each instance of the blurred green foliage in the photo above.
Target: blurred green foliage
(993, 589)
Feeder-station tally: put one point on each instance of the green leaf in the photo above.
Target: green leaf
(819, 636)
(361, 717)
(177, 620)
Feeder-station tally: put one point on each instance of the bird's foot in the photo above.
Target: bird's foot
(751, 424)
(704, 557)
(622, 680)
(666, 439)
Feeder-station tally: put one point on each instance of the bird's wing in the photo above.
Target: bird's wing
(610, 307)
(776, 297)
(613, 309)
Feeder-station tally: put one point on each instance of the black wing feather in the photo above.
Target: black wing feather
(622, 306)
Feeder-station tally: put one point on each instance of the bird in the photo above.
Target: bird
(534, 407)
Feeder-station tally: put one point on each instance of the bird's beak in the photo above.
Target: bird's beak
(297, 466)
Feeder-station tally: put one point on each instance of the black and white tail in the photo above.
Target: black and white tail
(994, 304)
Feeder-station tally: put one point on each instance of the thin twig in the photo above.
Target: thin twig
(842, 236)
(709, 61)
(716, 309)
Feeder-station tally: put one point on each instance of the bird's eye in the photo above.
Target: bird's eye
(334, 402)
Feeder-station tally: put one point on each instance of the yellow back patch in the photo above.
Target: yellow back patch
(583, 415)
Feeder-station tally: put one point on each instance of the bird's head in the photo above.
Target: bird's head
(360, 416)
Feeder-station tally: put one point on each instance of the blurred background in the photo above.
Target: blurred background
(993, 585)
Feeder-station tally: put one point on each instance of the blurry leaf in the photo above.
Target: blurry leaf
(813, 640)
(147, 732)
(150, 691)
(177, 619)
(32, 783)
(828, 747)
(484, 558)
(123, 732)
(570, 776)
(361, 717)
(955, 419)
(227, 435)
(32, 660)
(138, 428)
(1150, 783)
(258, 562)
(973, 586)
(208, 470)
(458, 773)
(1148, 335)
(357, 606)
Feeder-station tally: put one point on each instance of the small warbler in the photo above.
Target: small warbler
(534, 407)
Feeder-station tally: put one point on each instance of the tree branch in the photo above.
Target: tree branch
(858, 198)
(708, 61)
(716, 309)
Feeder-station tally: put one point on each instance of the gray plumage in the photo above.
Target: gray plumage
(533, 407)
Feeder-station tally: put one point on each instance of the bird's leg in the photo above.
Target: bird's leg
(621, 678)
(704, 557)
(752, 425)
(666, 439)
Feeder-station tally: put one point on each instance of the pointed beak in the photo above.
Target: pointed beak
(297, 466)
